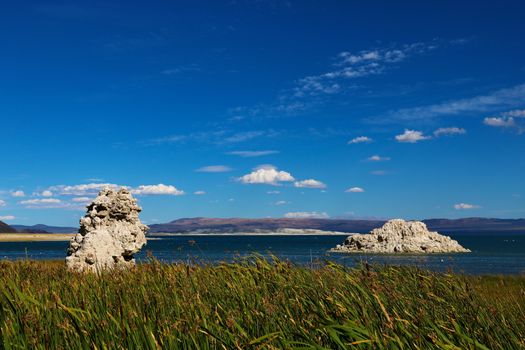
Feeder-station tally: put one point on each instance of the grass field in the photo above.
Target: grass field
(257, 304)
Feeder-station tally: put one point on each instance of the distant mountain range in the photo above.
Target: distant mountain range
(210, 225)
(232, 225)
(40, 228)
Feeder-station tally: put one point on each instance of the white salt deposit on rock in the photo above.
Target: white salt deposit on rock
(110, 233)
(400, 236)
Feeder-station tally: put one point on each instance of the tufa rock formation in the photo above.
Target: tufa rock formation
(400, 236)
(110, 233)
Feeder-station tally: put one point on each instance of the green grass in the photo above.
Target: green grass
(257, 304)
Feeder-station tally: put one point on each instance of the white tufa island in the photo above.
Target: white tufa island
(110, 233)
(400, 236)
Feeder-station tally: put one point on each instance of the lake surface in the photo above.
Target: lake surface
(491, 253)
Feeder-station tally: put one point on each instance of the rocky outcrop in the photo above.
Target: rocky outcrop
(110, 233)
(400, 236)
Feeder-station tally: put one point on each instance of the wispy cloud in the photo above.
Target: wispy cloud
(214, 169)
(18, 193)
(7, 217)
(214, 137)
(306, 215)
(352, 65)
(283, 107)
(199, 193)
(250, 154)
(360, 139)
(243, 136)
(310, 91)
(159, 189)
(43, 203)
(411, 136)
(81, 199)
(518, 113)
(82, 189)
(45, 193)
(496, 100)
(449, 131)
(2, 203)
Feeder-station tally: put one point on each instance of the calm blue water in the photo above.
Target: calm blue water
(491, 253)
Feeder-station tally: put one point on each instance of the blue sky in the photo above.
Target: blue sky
(263, 108)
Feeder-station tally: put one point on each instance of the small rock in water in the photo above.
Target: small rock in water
(400, 236)
(110, 233)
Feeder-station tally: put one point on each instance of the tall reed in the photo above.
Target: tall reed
(255, 304)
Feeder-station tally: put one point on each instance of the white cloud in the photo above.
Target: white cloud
(273, 192)
(159, 189)
(266, 175)
(214, 169)
(7, 217)
(500, 122)
(411, 136)
(281, 203)
(199, 193)
(81, 199)
(249, 154)
(82, 189)
(309, 183)
(46, 193)
(376, 158)
(379, 172)
(449, 131)
(360, 139)
(2, 203)
(306, 215)
(355, 190)
(18, 193)
(463, 206)
(509, 119)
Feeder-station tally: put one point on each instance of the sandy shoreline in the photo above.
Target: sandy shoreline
(35, 237)
(55, 237)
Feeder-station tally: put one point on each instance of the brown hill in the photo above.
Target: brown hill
(5, 228)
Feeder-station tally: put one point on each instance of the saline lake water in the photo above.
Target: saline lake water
(495, 253)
